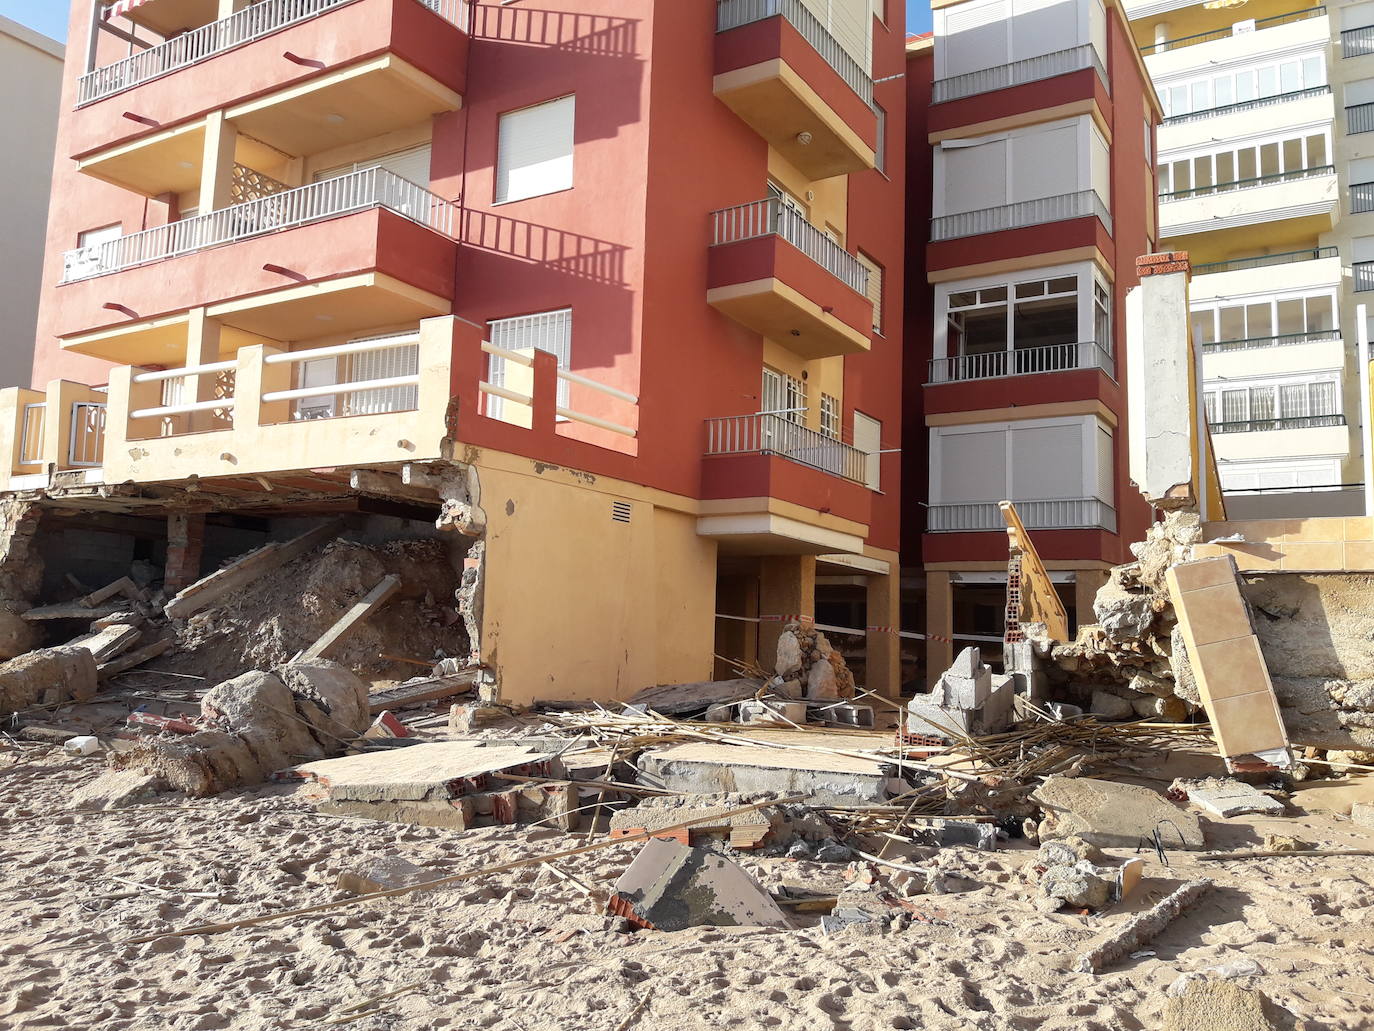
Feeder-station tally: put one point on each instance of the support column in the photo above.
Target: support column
(1087, 582)
(939, 625)
(787, 587)
(883, 662)
(202, 348)
(185, 543)
(217, 163)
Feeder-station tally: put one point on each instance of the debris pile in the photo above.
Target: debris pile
(808, 667)
(968, 700)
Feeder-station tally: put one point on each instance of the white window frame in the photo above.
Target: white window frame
(830, 416)
(1209, 157)
(559, 182)
(1210, 311)
(1200, 91)
(783, 395)
(867, 427)
(1266, 400)
(550, 331)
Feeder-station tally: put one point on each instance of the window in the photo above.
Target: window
(399, 356)
(535, 151)
(868, 433)
(830, 416)
(87, 259)
(880, 151)
(1149, 143)
(1264, 406)
(1102, 315)
(1064, 458)
(987, 33)
(546, 331)
(411, 165)
(95, 237)
(1357, 30)
(784, 396)
(875, 288)
(1279, 160)
(1267, 320)
(1292, 75)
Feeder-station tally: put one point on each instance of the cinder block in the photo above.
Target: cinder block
(967, 692)
(924, 717)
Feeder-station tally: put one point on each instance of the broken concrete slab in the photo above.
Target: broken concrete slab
(106, 643)
(115, 789)
(1227, 798)
(421, 690)
(967, 700)
(129, 660)
(354, 617)
(670, 887)
(840, 918)
(742, 830)
(47, 676)
(704, 768)
(948, 833)
(434, 770)
(1207, 1004)
(448, 813)
(1113, 815)
(381, 874)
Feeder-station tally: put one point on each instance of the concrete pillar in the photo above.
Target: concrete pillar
(787, 588)
(1087, 582)
(202, 348)
(185, 544)
(883, 662)
(939, 624)
(217, 163)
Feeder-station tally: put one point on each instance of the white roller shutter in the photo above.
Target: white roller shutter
(535, 151)
(411, 164)
(1044, 162)
(974, 37)
(975, 174)
(868, 435)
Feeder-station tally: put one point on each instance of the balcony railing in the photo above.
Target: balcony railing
(1164, 46)
(769, 434)
(245, 26)
(1248, 105)
(1362, 273)
(1320, 336)
(1021, 214)
(731, 14)
(1059, 514)
(771, 217)
(1265, 260)
(1357, 42)
(1359, 118)
(357, 191)
(1025, 361)
(1032, 69)
(1361, 197)
(1298, 422)
(1247, 184)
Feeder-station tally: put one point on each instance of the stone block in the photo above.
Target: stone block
(997, 710)
(821, 682)
(967, 664)
(66, 674)
(789, 656)
(337, 691)
(838, 919)
(1227, 798)
(1111, 706)
(1362, 814)
(925, 716)
(967, 692)
(670, 887)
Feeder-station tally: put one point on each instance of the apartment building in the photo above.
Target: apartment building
(603, 282)
(1266, 179)
(31, 75)
(1033, 163)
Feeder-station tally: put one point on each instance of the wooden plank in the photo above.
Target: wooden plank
(134, 658)
(70, 610)
(107, 643)
(123, 586)
(350, 621)
(431, 690)
(210, 589)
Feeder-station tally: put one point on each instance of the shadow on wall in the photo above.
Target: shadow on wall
(575, 32)
(556, 250)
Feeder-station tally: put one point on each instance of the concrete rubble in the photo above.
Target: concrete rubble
(670, 887)
(968, 700)
(1110, 814)
(809, 667)
(1226, 798)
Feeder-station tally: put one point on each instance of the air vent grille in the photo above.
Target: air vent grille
(620, 511)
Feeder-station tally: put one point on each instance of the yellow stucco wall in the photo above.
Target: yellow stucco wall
(577, 605)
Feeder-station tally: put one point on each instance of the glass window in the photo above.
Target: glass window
(1245, 85)
(1226, 168)
(1316, 151)
(1209, 401)
(1199, 96)
(1232, 320)
(1258, 320)
(1269, 159)
(1292, 155)
(1178, 100)
(1204, 327)
(1295, 401)
(1268, 82)
(1246, 165)
(1261, 403)
(830, 416)
(1313, 74)
(1233, 405)
(1223, 91)
(534, 151)
(1325, 399)
(1290, 76)
(1291, 318)
(1102, 316)
(1320, 317)
(1202, 171)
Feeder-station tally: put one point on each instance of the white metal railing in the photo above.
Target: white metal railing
(766, 433)
(31, 433)
(1021, 214)
(368, 377)
(731, 14)
(1057, 514)
(253, 22)
(562, 410)
(1025, 361)
(1031, 69)
(356, 191)
(86, 445)
(773, 217)
(174, 383)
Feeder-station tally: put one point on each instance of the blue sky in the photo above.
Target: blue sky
(50, 16)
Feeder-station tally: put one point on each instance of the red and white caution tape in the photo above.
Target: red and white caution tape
(857, 632)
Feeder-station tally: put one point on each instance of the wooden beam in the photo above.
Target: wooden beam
(209, 589)
(362, 608)
(123, 586)
(137, 657)
(1040, 602)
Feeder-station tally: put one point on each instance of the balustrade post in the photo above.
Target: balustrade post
(253, 377)
(544, 391)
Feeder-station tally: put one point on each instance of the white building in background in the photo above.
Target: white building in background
(1266, 177)
(31, 85)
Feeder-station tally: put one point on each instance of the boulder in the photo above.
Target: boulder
(821, 683)
(335, 693)
(198, 765)
(1123, 613)
(47, 676)
(789, 658)
(258, 708)
(1110, 706)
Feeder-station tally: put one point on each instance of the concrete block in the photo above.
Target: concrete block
(967, 664)
(770, 711)
(949, 833)
(700, 768)
(927, 717)
(997, 710)
(846, 715)
(838, 919)
(967, 692)
(1227, 798)
(381, 874)
(433, 770)
(670, 887)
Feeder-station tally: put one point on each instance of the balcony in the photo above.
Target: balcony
(362, 250)
(1238, 41)
(780, 70)
(61, 430)
(1362, 275)
(1058, 514)
(297, 77)
(753, 461)
(1026, 361)
(1278, 100)
(774, 272)
(1063, 207)
(1018, 73)
(1359, 118)
(1357, 42)
(1325, 336)
(1211, 268)
(1303, 193)
(1301, 422)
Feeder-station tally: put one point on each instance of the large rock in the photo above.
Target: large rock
(1112, 815)
(789, 659)
(1121, 612)
(821, 683)
(332, 698)
(196, 764)
(258, 708)
(1111, 706)
(47, 676)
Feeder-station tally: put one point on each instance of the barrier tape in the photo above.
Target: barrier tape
(857, 632)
